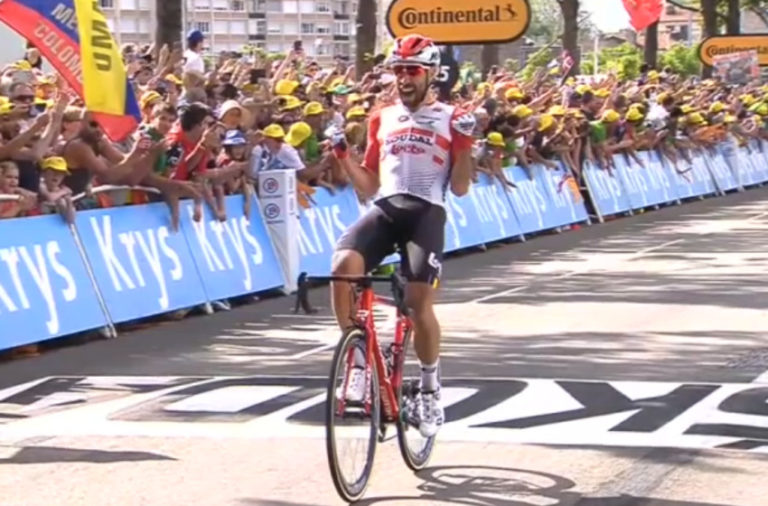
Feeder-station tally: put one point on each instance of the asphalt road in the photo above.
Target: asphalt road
(620, 364)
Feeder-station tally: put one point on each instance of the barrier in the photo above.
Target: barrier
(124, 263)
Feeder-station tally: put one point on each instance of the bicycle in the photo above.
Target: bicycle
(389, 399)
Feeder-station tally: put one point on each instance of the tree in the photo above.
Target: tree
(169, 28)
(365, 37)
(682, 60)
(652, 44)
(570, 13)
(625, 60)
(489, 57)
(733, 24)
(546, 21)
(536, 61)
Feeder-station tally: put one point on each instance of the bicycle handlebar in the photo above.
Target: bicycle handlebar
(397, 285)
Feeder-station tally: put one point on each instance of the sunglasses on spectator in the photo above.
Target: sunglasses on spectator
(24, 98)
(410, 70)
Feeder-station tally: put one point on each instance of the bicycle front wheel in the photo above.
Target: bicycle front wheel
(350, 423)
(415, 448)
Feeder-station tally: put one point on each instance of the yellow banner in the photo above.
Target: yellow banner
(104, 79)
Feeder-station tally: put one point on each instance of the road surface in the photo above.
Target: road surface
(620, 364)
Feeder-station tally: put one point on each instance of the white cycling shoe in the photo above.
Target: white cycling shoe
(432, 415)
(355, 386)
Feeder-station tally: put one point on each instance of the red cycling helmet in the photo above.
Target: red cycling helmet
(415, 50)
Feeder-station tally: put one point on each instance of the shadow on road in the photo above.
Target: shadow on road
(497, 486)
(53, 454)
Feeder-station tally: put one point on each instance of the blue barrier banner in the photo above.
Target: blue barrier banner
(462, 227)
(497, 218)
(567, 203)
(752, 174)
(721, 172)
(757, 153)
(606, 190)
(662, 189)
(703, 180)
(682, 180)
(636, 183)
(141, 267)
(529, 201)
(321, 225)
(234, 257)
(743, 174)
(45, 290)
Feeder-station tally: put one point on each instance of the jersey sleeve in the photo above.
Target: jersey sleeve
(460, 142)
(373, 147)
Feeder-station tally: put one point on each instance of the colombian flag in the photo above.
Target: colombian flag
(74, 37)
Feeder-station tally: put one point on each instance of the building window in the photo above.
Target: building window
(322, 7)
(340, 49)
(290, 28)
(203, 26)
(671, 10)
(290, 6)
(342, 7)
(274, 28)
(307, 28)
(323, 50)
(274, 6)
(323, 29)
(107, 4)
(238, 5)
(341, 28)
(261, 26)
(306, 6)
(258, 5)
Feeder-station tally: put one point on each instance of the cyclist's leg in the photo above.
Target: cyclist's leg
(359, 250)
(422, 266)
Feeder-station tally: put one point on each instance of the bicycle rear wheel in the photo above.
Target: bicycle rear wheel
(415, 449)
(349, 423)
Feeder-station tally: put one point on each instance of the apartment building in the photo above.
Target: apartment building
(326, 27)
(676, 26)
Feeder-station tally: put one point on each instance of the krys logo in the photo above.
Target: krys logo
(713, 47)
(271, 185)
(457, 22)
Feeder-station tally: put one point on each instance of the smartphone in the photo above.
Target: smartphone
(298, 46)
(256, 75)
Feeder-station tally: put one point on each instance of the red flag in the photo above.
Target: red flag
(643, 13)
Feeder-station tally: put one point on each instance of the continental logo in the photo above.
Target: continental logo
(455, 22)
(713, 47)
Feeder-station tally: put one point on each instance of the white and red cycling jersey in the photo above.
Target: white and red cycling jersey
(412, 151)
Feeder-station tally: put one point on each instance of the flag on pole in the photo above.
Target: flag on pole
(74, 37)
(643, 13)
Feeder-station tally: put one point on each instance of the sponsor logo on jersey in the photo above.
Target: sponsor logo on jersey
(407, 138)
(411, 149)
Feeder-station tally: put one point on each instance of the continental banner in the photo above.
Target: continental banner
(460, 22)
(712, 47)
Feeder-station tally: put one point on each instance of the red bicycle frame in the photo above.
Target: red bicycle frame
(389, 381)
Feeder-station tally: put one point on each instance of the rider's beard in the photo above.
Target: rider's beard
(416, 96)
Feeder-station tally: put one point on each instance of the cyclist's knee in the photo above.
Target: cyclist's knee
(347, 262)
(419, 298)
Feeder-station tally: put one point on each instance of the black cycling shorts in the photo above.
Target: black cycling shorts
(415, 225)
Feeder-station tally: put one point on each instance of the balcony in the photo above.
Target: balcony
(340, 37)
(339, 15)
(257, 36)
(257, 15)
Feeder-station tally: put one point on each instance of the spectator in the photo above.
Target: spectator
(193, 60)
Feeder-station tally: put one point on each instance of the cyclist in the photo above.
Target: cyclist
(417, 148)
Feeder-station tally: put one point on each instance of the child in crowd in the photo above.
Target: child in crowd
(55, 195)
(26, 204)
(236, 154)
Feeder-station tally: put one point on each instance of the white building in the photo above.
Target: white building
(326, 27)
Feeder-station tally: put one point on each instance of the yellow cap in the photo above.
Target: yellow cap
(716, 107)
(610, 116)
(662, 97)
(286, 87)
(354, 97)
(356, 112)
(557, 110)
(747, 99)
(603, 93)
(576, 113)
(729, 118)
(653, 75)
(171, 78)
(274, 131)
(687, 109)
(583, 88)
(22, 65)
(147, 97)
(546, 121)
(514, 94)
(313, 108)
(762, 110)
(495, 139)
(695, 118)
(298, 133)
(6, 108)
(522, 111)
(56, 163)
(633, 114)
(291, 103)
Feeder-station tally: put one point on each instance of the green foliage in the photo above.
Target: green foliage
(537, 60)
(511, 65)
(625, 60)
(681, 59)
(546, 21)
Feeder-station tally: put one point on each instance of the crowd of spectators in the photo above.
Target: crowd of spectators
(209, 127)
